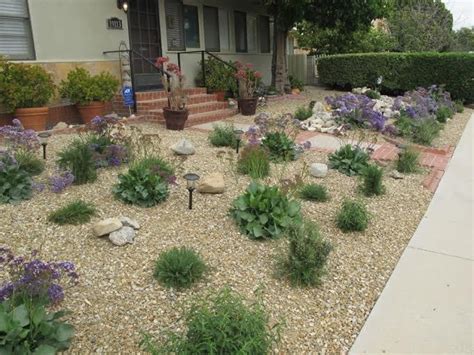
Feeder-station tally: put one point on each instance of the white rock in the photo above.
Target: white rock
(212, 184)
(106, 226)
(128, 222)
(330, 123)
(318, 170)
(396, 175)
(183, 147)
(60, 125)
(318, 107)
(122, 236)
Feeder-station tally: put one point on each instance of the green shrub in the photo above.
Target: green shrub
(280, 146)
(373, 94)
(24, 86)
(15, 183)
(459, 106)
(425, 131)
(76, 212)
(29, 162)
(145, 184)
(314, 192)
(408, 161)
(296, 83)
(28, 328)
(179, 268)
(349, 160)
(264, 212)
(401, 71)
(303, 113)
(78, 158)
(443, 114)
(219, 77)
(223, 136)
(372, 181)
(220, 324)
(353, 216)
(307, 255)
(404, 125)
(254, 161)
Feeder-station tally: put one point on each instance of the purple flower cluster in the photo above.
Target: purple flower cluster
(17, 137)
(356, 109)
(110, 155)
(423, 103)
(35, 279)
(102, 125)
(57, 183)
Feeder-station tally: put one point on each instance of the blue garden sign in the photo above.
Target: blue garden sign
(127, 94)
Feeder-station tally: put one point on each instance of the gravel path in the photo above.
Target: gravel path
(118, 298)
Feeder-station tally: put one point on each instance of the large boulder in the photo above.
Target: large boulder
(122, 236)
(318, 170)
(212, 184)
(183, 147)
(106, 226)
(128, 222)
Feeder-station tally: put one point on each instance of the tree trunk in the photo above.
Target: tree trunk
(279, 63)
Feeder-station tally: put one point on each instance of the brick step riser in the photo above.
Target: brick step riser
(216, 106)
(192, 121)
(155, 95)
(142, 107)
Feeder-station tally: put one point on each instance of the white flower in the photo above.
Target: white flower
(379, 80)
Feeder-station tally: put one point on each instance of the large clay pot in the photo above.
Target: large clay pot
(248, 106)
(175, 120)
(33, 118)
(91, 110)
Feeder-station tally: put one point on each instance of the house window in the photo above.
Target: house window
(16, 41)
(252, 33)
(191, 26)
(240, 22)
(264, 33)
(224, 31)
(211, 28)
(174, 25)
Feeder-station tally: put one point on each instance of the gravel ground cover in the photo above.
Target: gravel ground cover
(118, 298)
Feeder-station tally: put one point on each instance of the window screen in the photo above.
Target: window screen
(191, 26)
(211, 28)
(240, 22)
(224, 31)
(264, 32)
(174, 25)
(15, 30)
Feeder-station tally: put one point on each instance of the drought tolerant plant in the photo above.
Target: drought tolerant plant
(220, 323)
(295, 83)
(408, 161)
(353, 216)
(76, 212)
(307, 255)
(179, 268)
(314, 192)
(349, 160)
(263, 212)
(303, 113)
(223, 136)
(254, 161)
(280, 146)
(443, 114)
(372, 181)
(78, 158)
(15, 183)
(29, 162)
(425, 131)
(373, 94)
(459, 106)
(60, 181)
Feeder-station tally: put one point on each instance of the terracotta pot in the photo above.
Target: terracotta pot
(220, 95)
(175, 120)
(248, 106)
(33, 118)
(91, 110)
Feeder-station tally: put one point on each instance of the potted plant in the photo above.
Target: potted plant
(220, 78)
(176, 113)
(25, 90)
(89, 92)
(248, 82)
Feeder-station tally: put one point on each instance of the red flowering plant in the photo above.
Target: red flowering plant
(248, 79)
(177, 97)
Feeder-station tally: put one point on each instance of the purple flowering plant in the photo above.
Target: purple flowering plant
(35, 280)
(16, 137)
(60, 181)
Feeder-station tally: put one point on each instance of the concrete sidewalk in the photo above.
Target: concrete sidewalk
(426, 306)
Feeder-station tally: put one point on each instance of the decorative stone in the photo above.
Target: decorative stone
(113, 116)
(212, 184)
(128, 222)
(122, 236)
(183, 147)
(396, 175)
(60, 125)
(295, 91)
(106, 226)
(329, 123)
(318, 170)
(318, 107)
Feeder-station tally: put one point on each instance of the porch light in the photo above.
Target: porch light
(43, 139)
(238, 135)
(191, 180)
(123, 5)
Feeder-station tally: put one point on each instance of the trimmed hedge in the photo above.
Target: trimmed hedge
(401, 71)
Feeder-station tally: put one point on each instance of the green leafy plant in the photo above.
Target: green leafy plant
(372, 181)
(408, 161)
(353, 216)
(76, 212)
(296, 83)
(254, 161)
(78, 158)
(425, 131)
(373, 94)
(280, 146)
(219, 76)
(30, 329)
(349, 160)
(314, 192)
(24, 86)
(263, 212)
(459, 106)
(223, 136)
(303, 113)
(146, 183)
(220, 324)
(179, 268)
(443, 114)
(307, 254)
(15, 183)
(28, 161)
(404, 125)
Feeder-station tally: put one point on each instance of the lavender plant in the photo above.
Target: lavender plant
(60, 181)
(16, 137)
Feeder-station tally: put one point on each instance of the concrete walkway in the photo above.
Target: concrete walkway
(426, 306)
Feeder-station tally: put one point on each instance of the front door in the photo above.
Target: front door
(145, 41)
